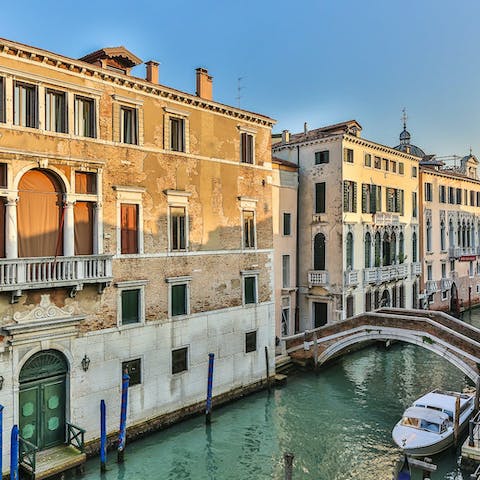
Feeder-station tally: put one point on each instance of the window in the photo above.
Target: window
(129, 228)
(429, 236)
(451, 195)
(84, 117)
(248, 229)
(349, 251)
(368, 250)
(444, 270)
(385, 164)
(478, 199)
(320, 189)
(349, 196)
(319, 252)
(442, 194)
(371, 202)
(367, 160)
(393, 166)
(178, 301)
(320, 314)
(472, 198)
(134, 370)
(377, 162)
(414, 247)
(249, 289)
(458, 196)
(394, 200)
(414, 204)
(55, 111)
(179, 360)
(25, 106)
(368, 301)
(442, 237)
(414, 172)
(129, 126)
(246, 147)
(348, 155)
(401, 168)
(429, 272)
(287, 224)
(3, 175)
(322, 157)
(428, 192)
(285, 271)
(177, 134)
(86, 183)
(130, 306)
(2, 100)
(251, 341)
(178, 228)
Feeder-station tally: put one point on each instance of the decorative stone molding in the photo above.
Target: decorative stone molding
(46, 310)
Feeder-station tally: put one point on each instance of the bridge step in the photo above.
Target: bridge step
(283, 363)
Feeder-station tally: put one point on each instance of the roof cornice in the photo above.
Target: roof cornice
(78, 67)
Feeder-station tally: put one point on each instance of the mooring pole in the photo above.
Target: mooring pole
(315, 352)
(268, 370)
(288, 459)
(471, 426)
(103, 437)
(123, 419)
(208, 409)
(477, 394)
(456, 426)
(1, 440)
(14, 454)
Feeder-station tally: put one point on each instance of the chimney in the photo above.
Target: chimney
(152, 71)
(204, 84)
(305, 128)
(285, 136)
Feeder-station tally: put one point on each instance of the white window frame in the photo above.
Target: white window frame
(177, 198)
(131, 195)
(253, 133)
(132, 104)
(247, 204)
(76, 125)
(171, 281)
(182, 115)
(131, 285)
(254, 274)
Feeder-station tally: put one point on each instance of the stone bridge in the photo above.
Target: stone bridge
(453, 339)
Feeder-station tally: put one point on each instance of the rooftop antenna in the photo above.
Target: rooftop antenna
(404, 118)
(239, 90)
(470, 150)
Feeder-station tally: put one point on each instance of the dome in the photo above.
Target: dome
(411, 149)
(405, 137)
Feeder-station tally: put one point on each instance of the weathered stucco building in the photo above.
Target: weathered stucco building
(136, 232)
(358, 223)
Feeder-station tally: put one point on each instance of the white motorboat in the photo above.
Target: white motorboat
(427, 427)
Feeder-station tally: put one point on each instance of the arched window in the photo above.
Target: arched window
(401, 248)
(393, 248)
(414, 247)
(459, 235)
(319, 252)
(442, 236)
(378, 248)
(349, 252)
(414, 295)
(464, 235)
(429, 236)
(469, 235)
(402, 296)
(368, 250)
(451, 235)
(386, 250)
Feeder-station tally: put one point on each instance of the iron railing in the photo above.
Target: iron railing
(27, 454)
(76, 436)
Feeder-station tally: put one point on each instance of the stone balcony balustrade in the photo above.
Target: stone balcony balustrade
(351, 278)
(317, 278)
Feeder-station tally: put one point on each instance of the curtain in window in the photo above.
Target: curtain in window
(83, 216)
(39, 215)
(85, 182)
(129, 228)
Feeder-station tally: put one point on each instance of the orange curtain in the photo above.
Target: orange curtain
(83, 214)
(129, 217)
(39, 215)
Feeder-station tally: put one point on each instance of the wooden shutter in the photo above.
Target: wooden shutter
(130, 306)
(179, 299)
(2, 227)
(354, 197)
(320, 197)
(129, 228)
(365, 199)
(83, 232)
(379, 199)
(373, 198)
(345, 196)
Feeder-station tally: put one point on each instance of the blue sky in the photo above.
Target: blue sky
(320, 61)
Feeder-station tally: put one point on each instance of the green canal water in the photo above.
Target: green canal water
(338, 425)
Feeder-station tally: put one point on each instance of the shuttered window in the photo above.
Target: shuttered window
(320, 197)
(246, 148)
(129, 228)
(322, 157)
(251, 341)
(130, 306)
(2, 99)
(84, 117)
(250, 289)
(349, 196)
(56, 111)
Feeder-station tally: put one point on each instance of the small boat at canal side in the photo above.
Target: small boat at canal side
(427, 427)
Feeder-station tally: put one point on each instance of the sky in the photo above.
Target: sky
(314, 61)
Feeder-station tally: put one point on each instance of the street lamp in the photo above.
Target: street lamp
(85, 363)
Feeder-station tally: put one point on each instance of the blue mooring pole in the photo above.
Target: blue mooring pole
(1, 440)
(14, 454)
(208, 410)
(103, 437)
(123, 419)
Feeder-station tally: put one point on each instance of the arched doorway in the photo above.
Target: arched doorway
(39, 215)
(43, 381)
(454, 304)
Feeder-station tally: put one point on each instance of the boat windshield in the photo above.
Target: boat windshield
(429, 426)
(422, 424)
(411, 422)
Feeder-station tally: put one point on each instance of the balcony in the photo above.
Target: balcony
(370, 275)
(456, 252)
(402, 270)
(431, 287)
(416, 269)
(351, 278)
(17, 274)
(386, 218)
(446, 284)
(384, 275)
(317, 278)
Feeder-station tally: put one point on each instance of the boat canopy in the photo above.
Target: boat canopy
(443, 399)
(432, 416)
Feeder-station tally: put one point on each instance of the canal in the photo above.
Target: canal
(338, 424)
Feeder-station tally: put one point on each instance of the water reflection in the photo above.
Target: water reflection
(338, 425)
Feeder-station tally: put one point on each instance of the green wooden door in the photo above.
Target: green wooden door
(42, 399)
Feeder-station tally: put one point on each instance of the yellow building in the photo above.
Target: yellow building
(358, 223)
(136, 232)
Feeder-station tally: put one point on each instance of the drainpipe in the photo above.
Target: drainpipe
(297, 246)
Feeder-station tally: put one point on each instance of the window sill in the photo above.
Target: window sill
(250, 305)
(129, 326)
(177, 374)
